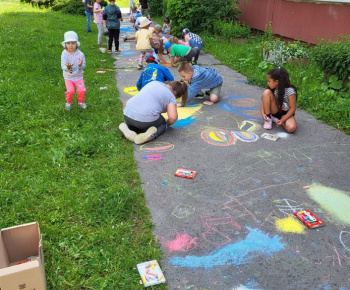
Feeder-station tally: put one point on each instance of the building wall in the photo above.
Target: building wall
(304, 21)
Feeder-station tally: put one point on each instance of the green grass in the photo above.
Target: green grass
(69, 170)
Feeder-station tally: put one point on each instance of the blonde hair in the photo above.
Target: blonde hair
(185, 67)
(180, 87)
(174, 39)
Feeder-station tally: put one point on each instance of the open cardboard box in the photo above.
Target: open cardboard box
(17, 244)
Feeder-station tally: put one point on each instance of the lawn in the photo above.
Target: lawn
(69, 170)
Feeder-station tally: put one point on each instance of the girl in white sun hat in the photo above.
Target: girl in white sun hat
(73, 64)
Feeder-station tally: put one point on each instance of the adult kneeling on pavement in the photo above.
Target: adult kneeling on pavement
(142, 113)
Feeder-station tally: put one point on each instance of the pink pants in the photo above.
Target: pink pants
(70, 90)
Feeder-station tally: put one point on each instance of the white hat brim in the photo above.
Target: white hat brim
(67, 40)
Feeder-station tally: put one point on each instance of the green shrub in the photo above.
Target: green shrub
(231, 30)
(199, 15)
(70, 7)
(157, 7)
(334, 57)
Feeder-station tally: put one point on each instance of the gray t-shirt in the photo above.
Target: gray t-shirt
(150, 102)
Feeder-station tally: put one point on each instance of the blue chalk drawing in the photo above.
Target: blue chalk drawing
(227, 106)
(255, 243)
(127, 53)
(184, 122)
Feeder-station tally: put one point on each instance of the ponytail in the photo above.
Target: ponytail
(180, 89)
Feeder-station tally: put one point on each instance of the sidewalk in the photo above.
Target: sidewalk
(232, 226)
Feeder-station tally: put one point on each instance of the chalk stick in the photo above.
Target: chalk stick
(160, 277)
(152, 266)
(306, 187)
(144, 279)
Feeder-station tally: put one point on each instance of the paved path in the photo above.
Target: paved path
(232, 226)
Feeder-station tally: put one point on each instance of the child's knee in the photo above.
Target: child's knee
(290, 128)
(266, 94)
(214, 98)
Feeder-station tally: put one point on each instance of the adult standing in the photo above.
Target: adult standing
(145, 8)
(114, 16)
(88, 12)
(142, 113)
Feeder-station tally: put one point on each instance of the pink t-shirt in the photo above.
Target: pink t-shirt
(98, 15)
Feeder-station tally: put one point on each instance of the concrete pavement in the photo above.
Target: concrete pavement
(232, 226)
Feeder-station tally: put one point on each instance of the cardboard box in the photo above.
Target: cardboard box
(17, 244)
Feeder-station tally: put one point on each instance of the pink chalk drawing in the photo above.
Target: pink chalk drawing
(153, 157)
(220, 230)
(182, 243)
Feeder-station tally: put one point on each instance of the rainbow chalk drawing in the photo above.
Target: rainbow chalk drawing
(182, 243)
(153, 157)
(334, 201)
(245, 136)
(240, 105)
(157, 147)
(256, 243)
(290, 225)
(218, 137)
(131, 91)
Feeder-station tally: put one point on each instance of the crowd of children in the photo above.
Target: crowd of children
(157, 88)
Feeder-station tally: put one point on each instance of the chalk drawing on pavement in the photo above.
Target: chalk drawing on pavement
(131, 91)
(255, 244)
(182, 243)
(249, 126)
(334, 201)
(186, 115)
(245, 136)
(240, 105)
(183, 210)
(344, 238)
(289, 206)
(153, 157)
(290, 224)
(219, 230)
(218, 137)
(157, 147)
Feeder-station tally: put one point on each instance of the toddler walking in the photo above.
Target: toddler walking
(144, 41)
(73, 64)
(279, 101)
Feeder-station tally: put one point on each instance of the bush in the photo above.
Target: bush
(157, 7)
(231, 30)
(334, 57)
(70, 7)
(199, 15)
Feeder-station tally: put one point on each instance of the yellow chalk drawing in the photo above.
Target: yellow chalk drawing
(131, 91)
(290, 225)
(334, 201)
(276, 201)
(185, 112)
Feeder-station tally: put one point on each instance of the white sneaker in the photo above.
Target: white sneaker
(82, 106)
(68, 106)
(147, 136)
(128, 134)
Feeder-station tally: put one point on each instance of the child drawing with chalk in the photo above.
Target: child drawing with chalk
(279, 101)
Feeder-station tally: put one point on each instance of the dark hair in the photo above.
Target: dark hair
(166, 20)
(281, 75)
(161, 46)
(180, 87)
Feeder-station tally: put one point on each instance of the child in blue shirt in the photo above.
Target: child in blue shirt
(200, 78)
(153, 72)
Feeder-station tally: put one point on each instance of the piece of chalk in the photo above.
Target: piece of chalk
(306, 187)
(160, 277)
(152, 266)
(144, 279)
(147, 270)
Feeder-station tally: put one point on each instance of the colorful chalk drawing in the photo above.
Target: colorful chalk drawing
(157, 147)
(255, 243)
(131, 91)
(185, 115)
(290, 225)
(183, 210)
(245, 136)
(334, 201)
(252, 126)
(218, 137)
(241, 105)
(289, 208)
(344, 239)
(153, 157)
(182, 243)
(219, 229)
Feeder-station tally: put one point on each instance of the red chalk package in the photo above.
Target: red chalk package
(309, 219)
(185, 173)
